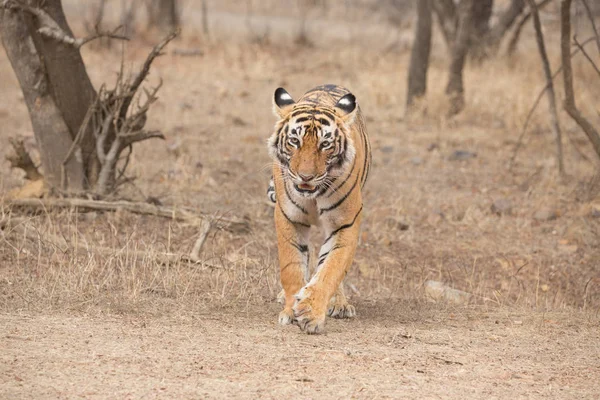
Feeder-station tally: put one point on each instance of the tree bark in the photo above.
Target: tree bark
(455, 88)
(419, 57)
(550, 91)
(50, 128)
(69, 83)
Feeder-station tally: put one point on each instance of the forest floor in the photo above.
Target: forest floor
(441, 205)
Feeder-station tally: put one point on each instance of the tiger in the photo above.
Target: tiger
(321, 160)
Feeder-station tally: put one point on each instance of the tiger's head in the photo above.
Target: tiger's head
(312, 142)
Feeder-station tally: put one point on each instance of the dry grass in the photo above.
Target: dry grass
(215, 111)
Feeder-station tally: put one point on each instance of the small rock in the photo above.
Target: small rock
(502, 207)
(387, 149)
(438, 291)
(545, 214)
(237, 121)
(460, 155)
(402, 226)
(432, 146)
(595, 210)
(416, 160)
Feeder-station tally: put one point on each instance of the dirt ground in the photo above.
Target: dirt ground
(100, 316)
(390, 351)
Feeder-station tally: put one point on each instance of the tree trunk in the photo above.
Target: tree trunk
(46, 102)
(482, 13)
(419, 57)
(447, 19)
(550, 91)
(69, 83)
(164, 15)
(455, 87)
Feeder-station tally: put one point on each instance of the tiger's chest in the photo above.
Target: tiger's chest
(311, 212)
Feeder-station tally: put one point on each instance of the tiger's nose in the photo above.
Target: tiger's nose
(306, 178)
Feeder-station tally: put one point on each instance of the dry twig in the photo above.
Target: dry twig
(204, 230)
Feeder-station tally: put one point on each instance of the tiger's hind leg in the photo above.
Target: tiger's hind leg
(339, 306)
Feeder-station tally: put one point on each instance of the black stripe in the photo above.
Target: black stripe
(324, 121)
(343, 226)
(344, 181)
(287, 193)
(328, 114)
(323, 257)
(290, 220)
(302, 248)
(340, 201)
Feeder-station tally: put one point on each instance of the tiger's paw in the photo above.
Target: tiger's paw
(307, 313)
(341, 310)
(286, 316)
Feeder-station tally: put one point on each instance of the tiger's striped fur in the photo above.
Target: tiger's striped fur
(321, 160)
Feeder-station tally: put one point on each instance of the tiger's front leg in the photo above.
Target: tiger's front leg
(335, 258)
(292, 244)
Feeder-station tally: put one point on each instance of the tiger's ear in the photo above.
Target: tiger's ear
(282, 103)
(346, 108)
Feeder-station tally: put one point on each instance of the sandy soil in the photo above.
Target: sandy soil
(418, 353)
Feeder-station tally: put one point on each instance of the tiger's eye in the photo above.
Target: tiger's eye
(294, 141)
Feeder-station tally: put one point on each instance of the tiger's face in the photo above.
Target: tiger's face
(312, 143)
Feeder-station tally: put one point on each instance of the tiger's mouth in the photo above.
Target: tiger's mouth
(305, 188)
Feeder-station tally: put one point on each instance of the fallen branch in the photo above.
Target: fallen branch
(236, 225)
(569, 104)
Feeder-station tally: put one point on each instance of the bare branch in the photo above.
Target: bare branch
(21, 159)
(550, 91)
(144, 72)
(50, 29)
(588, 11)
(569, 104)
(586, 55)
(535, 104)
(138, 136)
(514, 40)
